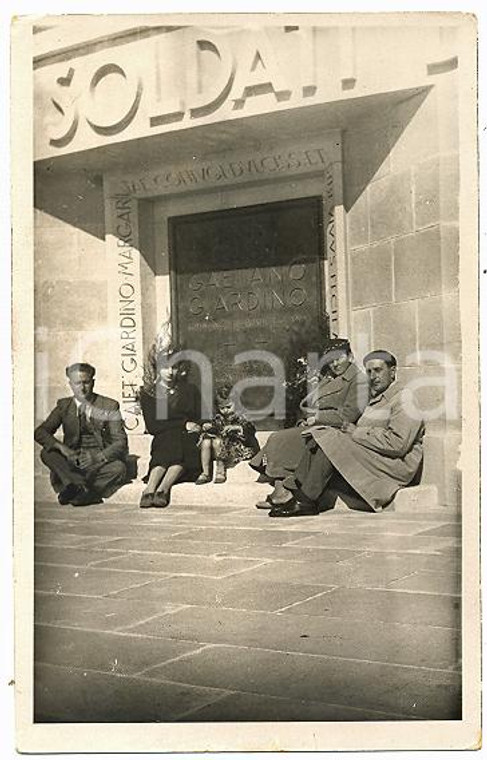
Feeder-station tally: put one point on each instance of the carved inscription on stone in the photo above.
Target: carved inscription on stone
(247, 279)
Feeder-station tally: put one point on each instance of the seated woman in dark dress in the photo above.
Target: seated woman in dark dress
(171, 408)
(340, 396)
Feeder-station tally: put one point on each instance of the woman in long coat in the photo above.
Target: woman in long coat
(339, 397)
(171, 410)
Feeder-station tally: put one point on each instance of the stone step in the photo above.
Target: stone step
(241, 488)
(242, 474)
(140, 444)
(187, 494)
(191, 495)
(416, 499)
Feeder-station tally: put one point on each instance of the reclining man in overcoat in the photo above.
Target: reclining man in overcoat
(379, 454)
(89, 463)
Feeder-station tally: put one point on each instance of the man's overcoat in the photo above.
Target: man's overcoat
(385, 450)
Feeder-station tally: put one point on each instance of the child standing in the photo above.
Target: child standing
(228, 439)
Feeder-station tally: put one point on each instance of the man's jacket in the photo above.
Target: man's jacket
(104, 415)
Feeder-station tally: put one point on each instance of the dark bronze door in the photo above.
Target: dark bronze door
(245, 279)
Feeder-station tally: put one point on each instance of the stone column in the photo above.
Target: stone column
(125, 296)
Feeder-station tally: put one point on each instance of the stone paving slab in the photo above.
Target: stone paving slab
(388, 605)
(403, 563)
(236, 592)
(418, 543)
(379, 542)
(178, 564)
(61, 555)
(452, 551)
(442, 563)
(430, 582)
(67, 540)
(206, 613)
(169, 545)
(242, 536)
(450, 529)
(372, 571)
(205, 511)
(79, 514)
(389, 527)
(367, 640)
(240, 517)
(439, 515)
(120, 654)
(147, 530)
(237, 522)
(105, 529)
(48, 524)
(44, 505)
(85, 581)
(415, 692)
(96, 613)
(66, 695)
(370, 525)
(293, 553)
(239, 707)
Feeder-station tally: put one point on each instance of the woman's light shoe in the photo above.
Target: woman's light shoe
(221, 475)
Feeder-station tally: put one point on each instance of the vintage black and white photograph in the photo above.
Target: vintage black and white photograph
(253, 430)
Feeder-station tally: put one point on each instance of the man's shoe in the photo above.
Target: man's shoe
(68, 493)
(85, 498)
(146, 500)
(294, 508)
(160, 499)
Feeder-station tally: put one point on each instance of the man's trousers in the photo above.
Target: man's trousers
(312, 474)
(103, 480)
(312, 477)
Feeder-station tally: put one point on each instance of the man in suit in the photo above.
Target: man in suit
(379, 454)
(89, 463)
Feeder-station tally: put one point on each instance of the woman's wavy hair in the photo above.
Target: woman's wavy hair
(160, 352)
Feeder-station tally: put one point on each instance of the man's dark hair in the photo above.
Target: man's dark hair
(80, 367)
(385, 356)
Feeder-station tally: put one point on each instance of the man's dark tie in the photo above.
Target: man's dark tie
(82, 415)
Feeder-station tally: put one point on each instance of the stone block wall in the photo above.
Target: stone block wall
(71, 288)
(401, 185)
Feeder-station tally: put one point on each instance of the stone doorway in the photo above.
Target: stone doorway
(247, 279)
